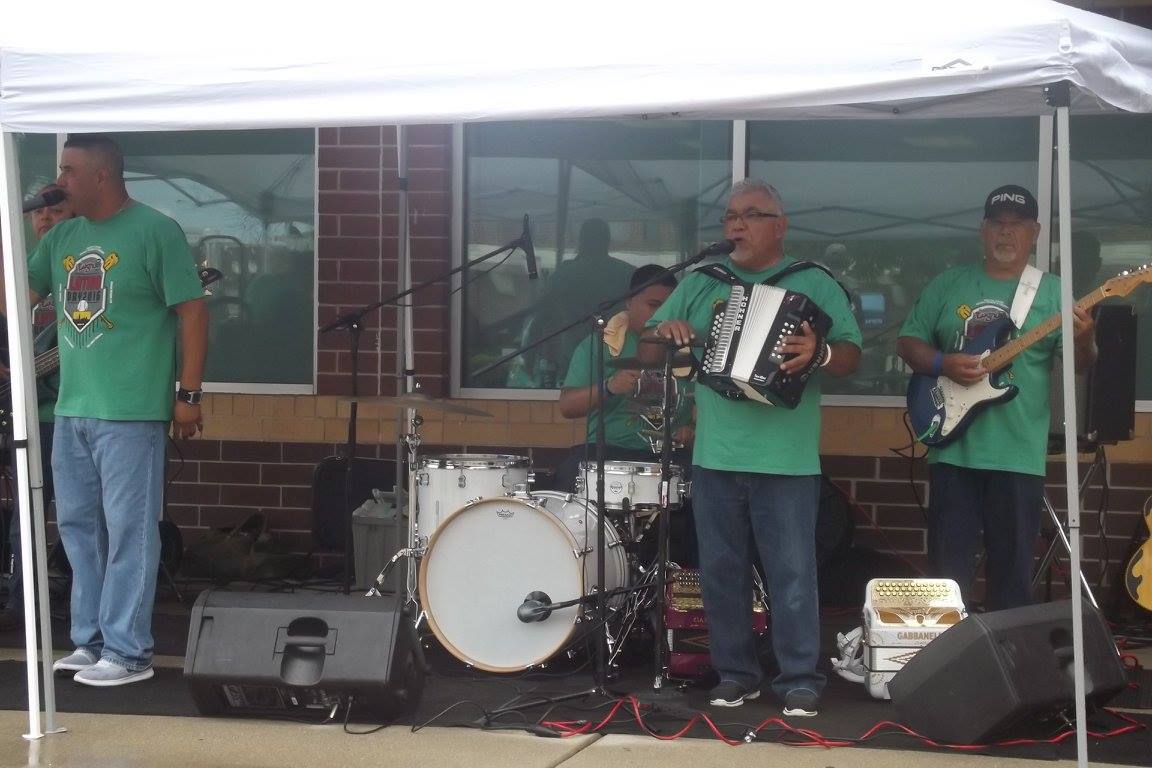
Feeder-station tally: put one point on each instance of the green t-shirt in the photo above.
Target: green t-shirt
(622, 420)
(745, 435)
(955, 307)
(115, 283)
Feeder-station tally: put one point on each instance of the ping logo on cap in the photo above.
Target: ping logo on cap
(1008, 197)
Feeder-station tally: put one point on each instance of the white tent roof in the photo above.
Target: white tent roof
(240, 65)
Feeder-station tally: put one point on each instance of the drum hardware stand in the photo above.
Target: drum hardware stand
(1060, 537)
(659, 693)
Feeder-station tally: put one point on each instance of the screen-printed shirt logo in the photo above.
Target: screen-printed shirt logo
(85, 294)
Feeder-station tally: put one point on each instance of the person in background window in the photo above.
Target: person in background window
(756, 479)
(43, 219)
(986, 485)
(576, 288)
(125, 284)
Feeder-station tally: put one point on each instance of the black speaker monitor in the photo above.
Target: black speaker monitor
(997, 671)
(301, 655)
(1111, 397)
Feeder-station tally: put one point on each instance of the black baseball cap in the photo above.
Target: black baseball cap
(1011, 198)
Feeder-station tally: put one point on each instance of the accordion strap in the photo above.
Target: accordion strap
(726, 275)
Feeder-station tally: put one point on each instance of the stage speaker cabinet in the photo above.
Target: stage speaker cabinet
(995, 672)
(301, 655)
(1111, 397)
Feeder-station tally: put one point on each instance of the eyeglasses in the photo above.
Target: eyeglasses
(747, 216)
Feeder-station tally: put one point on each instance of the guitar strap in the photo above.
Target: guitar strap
(1025, 295)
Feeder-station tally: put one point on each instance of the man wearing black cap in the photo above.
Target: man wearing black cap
(988, 483)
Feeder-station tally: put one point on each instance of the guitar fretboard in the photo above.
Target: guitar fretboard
(1001, 357)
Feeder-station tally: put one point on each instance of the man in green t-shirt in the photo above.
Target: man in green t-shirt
(756, 473)
(987, 484)
(124, 283)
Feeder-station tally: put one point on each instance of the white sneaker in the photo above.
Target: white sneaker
(105, 673)
(79, 659)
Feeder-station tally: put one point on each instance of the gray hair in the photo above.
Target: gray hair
(756, 185)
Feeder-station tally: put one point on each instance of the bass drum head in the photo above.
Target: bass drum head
(480, 565)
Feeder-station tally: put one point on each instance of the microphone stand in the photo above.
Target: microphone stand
(599, 323)
(353, 321)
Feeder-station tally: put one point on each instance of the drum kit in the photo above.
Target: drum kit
(506, 576)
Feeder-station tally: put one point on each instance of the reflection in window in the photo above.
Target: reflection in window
(887, 205)
(246, 200)
(603, 197)
(1112, 215)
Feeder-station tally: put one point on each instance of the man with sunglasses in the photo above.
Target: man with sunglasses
(756, 473)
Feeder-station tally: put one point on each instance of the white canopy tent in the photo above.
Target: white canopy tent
(235, 66)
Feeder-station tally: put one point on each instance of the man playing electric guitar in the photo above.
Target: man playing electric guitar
(987, 480)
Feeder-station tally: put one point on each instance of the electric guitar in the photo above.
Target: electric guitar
(49, 361)
(1138, 574)
(940, 410)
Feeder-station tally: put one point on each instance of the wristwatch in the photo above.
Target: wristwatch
(190, 396)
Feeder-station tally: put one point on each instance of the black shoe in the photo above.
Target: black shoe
(801, 702)
(730, 694)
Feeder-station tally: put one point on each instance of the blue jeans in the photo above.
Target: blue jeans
(109, 497)
(739, 515)
(1002, 510)
(15, 604)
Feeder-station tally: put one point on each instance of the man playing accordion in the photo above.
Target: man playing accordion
(756, 473)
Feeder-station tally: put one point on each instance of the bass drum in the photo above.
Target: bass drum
(485, 558)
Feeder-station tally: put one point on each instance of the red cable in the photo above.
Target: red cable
(814, 738)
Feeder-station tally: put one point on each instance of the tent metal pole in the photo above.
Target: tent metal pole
(29, 472)
(405, 355)
(739, 150)
(1044, 193)
(1072, 480)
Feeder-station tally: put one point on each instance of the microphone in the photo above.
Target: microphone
(722, 248)
(44, 199)
(530, 252)
(534, 607)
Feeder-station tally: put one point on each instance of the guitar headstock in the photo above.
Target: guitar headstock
(1127, 281)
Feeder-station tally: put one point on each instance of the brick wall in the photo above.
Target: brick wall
(358, 247)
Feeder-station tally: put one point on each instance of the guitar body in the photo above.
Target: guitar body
(1138, 574)
(940, 410)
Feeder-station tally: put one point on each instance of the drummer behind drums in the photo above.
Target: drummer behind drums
(623, 427)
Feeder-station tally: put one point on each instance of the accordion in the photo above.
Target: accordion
(742, 354)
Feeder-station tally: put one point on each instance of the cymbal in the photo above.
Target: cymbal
(681, 360)
(416, 400)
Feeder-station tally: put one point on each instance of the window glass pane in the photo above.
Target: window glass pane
(37, 158)
(603, 197)
(246, 200)
(1112, 215)
(887, 205)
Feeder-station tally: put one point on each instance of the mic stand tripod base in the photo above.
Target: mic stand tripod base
(667, 696)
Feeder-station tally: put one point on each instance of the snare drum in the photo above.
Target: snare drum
(446, 483)
(631, 483)
(484, 560)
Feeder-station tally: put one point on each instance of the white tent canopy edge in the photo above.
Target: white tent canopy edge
(922, 59)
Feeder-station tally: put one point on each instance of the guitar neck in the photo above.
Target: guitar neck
(45, 363)
(1001, 357)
